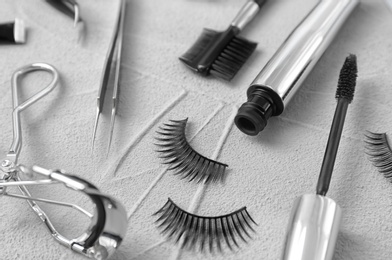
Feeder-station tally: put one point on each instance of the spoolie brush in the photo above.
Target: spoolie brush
(315, 219)
(344, 96)
(222, 54)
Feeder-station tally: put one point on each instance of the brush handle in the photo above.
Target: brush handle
(313, 229)
(7, 32)
(332, 147)
(247, 13)
(260, 2)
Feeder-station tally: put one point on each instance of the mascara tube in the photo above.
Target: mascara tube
(284, 73)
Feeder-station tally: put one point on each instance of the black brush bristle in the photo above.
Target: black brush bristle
(347, 78)
(221, 54)
(202, 44)
(232, 58)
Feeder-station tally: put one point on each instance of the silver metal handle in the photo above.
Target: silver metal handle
(108, 224)
(245, 15)
(313, 229)
(297, 56)
(17, 137)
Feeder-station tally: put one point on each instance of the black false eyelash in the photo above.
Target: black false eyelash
(186, 162)
(379, 151)
(196, 231)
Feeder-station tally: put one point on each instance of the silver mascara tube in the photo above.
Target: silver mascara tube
(285, 72)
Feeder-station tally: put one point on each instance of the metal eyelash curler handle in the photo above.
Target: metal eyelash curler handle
(108, 226)
(247, 13)
(17, 137)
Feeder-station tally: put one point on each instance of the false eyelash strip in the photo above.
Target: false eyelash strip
(174, 222)
(186, 162)
(379, 151)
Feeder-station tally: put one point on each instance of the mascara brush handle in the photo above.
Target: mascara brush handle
(247, 13)
(332, 146)
(313, 229)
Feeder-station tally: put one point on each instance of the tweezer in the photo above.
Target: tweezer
(112, 65)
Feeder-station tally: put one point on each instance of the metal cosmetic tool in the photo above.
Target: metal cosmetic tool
(315, 219)
(67, 7)
(108, 224)
(112, 65)
(276, 84)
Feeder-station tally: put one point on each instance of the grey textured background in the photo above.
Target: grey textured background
(266, 172)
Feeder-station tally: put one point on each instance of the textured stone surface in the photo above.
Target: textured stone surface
(266, 172)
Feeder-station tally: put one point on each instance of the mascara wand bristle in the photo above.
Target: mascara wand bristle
(347, 78)
(344, 94)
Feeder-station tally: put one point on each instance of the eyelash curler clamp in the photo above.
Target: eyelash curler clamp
(108, 224)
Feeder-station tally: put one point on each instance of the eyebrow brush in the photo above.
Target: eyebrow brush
(315, 218)
(222, 54)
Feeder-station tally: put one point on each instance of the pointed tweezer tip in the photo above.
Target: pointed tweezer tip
(107, 152)
(109, 145)
(112, 120)
(95, 129)
(92, 144)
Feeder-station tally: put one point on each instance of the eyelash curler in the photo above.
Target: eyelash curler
(108, 224)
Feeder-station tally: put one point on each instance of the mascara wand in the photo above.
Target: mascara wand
(315, 219)
(344, 96)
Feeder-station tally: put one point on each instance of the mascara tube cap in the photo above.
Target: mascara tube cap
(313, 229)
(253, 115)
